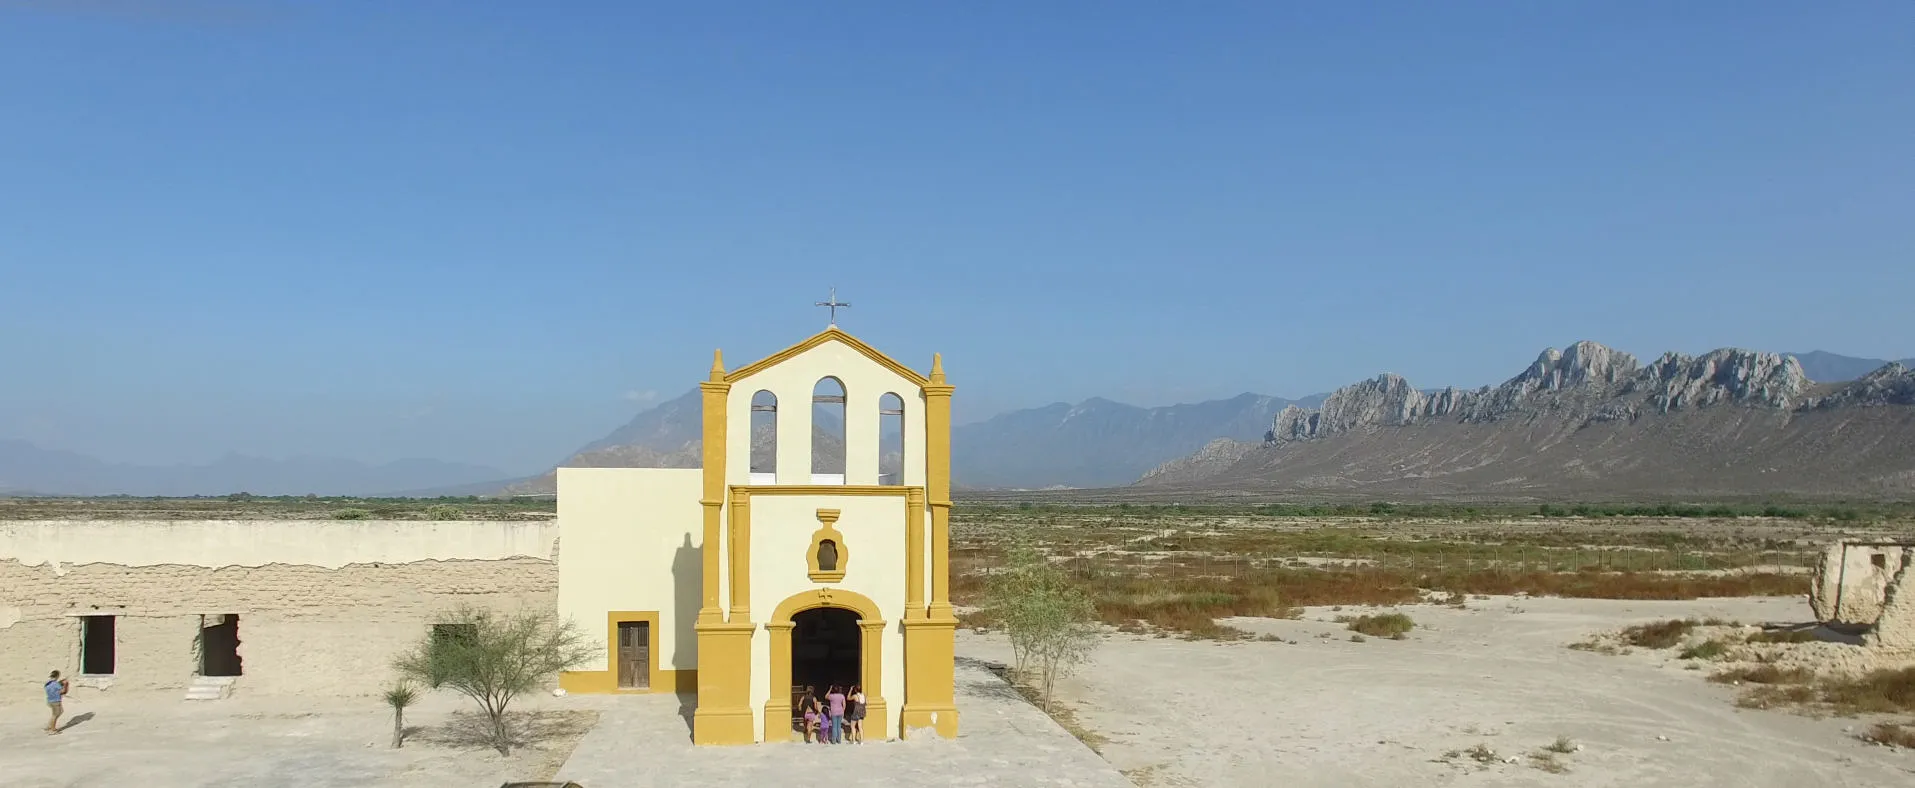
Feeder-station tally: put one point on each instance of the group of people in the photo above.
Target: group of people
(838, 718)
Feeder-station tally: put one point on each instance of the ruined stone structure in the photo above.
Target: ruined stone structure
(1867, 584)
(272, 606)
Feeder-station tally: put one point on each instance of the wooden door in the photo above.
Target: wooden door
(635, 655)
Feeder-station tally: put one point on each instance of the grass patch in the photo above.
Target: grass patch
(1562, 745)
(1548, 762)
(1882, 691)
(1662, 634)
(1709, 649)
(1891, 734)
(1387, 625)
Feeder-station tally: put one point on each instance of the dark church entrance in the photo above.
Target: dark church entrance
(826, 649)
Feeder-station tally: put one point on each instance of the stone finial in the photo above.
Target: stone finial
(937, 367)
(718, 365)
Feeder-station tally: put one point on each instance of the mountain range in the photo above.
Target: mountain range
(1586, 422)
(29, 469)
(1096, 443)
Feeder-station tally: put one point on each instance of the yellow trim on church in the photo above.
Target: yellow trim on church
(820, 338)
(725, 635)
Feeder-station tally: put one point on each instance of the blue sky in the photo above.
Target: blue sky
(491, 232)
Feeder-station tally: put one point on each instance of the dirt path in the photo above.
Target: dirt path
(1328, 711)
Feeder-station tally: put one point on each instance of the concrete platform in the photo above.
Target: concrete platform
(645, 741)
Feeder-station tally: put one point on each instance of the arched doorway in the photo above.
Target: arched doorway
(826, 649)
(819, 638)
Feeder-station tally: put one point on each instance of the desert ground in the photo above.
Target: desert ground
(1223, 661)
(1316, 708)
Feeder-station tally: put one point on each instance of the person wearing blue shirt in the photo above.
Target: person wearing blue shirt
(56, 693)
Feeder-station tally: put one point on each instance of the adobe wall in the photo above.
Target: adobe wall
(1895, 628)
(1861, 587)
(323, 607)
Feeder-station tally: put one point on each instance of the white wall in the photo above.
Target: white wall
(865, 381)
(873, 529)
(219, 543)
(630, 539)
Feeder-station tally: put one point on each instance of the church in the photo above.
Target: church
(770, 570)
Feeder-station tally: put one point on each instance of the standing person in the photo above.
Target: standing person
(56, 696)
(834, 706)
(854, 713)
(810, 708)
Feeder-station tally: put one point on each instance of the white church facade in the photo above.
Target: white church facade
(744, 585)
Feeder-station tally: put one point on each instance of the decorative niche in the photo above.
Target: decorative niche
(827, 556)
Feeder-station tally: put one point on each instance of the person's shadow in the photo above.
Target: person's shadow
(688, 582)
(77, 719)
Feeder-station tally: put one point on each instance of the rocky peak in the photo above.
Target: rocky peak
(1728, 375)
(1594, 381)
(1581, 364)
(1892, 384)
(1382, 400)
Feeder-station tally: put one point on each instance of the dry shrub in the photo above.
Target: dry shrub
(1663, 634)
(1891, 734)
(1387, 625)
(1711, 649)
(1881, 691)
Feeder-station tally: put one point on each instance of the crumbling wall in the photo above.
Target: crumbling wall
(1857, 580)
(302, 628)
(1895, 628)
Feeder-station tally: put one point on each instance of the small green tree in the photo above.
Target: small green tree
(1051, 623)
(1065, 620)
(493, 658)
(399, 697)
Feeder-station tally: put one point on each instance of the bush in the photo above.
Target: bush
(444, 512)
(1387, 625)
(1665, 634)
(493, 658)
(351, 514)
(1712, 649)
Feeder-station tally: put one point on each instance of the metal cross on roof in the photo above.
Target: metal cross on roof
(833, 303)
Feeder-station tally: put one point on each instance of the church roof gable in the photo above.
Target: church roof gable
(828, 335)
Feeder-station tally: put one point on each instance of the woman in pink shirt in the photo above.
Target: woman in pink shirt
(834, 711)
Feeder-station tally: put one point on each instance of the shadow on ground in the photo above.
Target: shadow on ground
(473, 730)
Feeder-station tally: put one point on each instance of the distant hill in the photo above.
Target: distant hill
(1095, 443)
(1824, 367)
(1585, 422)
(25, 467)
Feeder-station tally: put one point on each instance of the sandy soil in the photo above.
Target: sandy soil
(1328, 711)
(156, 739)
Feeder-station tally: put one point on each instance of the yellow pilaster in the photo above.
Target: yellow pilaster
(914, 553)
(872, 648)
(930, 643)
(740, 548)
(778, 706)
(724, 649)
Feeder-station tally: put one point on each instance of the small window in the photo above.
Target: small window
(827, 556)
(764, 438)
(890, 439)
(1880, 560)
(827, 432)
